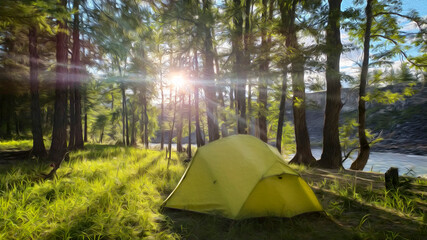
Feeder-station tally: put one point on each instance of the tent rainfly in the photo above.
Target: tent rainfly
(242, 177)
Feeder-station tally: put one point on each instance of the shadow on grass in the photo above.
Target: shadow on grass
(370, 221)
(191, 225)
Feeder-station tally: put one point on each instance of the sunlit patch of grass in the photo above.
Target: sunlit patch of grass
(101, 193)
(16, 144)
(22, 145)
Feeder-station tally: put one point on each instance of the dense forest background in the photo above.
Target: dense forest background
(134, 72)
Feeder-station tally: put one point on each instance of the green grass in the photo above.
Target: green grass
(112, 192)
(25, 144)
(16, 144)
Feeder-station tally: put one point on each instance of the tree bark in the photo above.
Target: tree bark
(303, 154)
(364, 151)
(85, 132)
(162, 115)
(173, 125)
(189, 126)
(179, 125)
(59, 133)
(209, 78)
(133, 125)
(39, 149)
(127, 123)
(282, 109)
(331, 154)
(237, 44)
(72, 120)
(199, 140)
(264, 67)
(124, 110)
(78, 139)
(146, 120)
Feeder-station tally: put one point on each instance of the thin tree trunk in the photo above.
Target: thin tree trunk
(331, 154)
(78, 139)
(282, 109)
(224, 125)
(189, 126)
(133, 125)
(180, 125)
(162, 115)
(85, 133)
(237, 44)
(124, 120)
(264, 66)
(209, 79)
(252, 128)
(364, 151)
(101, 136)
(171, 131)
(72, 107)
(145, 123)
(59, 133)
(127, 124)
(199, 140)
(39, 149)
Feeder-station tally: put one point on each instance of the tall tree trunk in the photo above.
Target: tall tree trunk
(180, 125)
(101, 136)
(287, 20)
(85, 132)
(162, 115)
(303, 154)
(252, 128)
(133, 125)
(146, 120)
(282, 109)
(331, 154)
(189, 126)
(209, 78)
(39, 149)
(173, 125)
(85, 117)
(199, 140)
(238, 68)
(72, 106)
(127, 124)
(124, 110)
(78, 139)
(59, 134)
(264, 67)
(220, 87)
(364, 151)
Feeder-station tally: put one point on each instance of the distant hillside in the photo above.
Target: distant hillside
(403, 124)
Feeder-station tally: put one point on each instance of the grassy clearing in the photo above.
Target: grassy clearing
(22, 145)
(111, 192)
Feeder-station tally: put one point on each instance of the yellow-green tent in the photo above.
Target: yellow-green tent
(242, 177)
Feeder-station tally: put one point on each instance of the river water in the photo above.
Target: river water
(413, 165)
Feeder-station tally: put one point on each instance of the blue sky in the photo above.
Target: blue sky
(348, 59)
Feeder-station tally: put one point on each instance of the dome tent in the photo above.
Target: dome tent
(242, 177)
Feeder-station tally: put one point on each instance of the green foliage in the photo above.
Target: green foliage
(349, 137)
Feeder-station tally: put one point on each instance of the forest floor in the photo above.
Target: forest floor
(112, 192)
